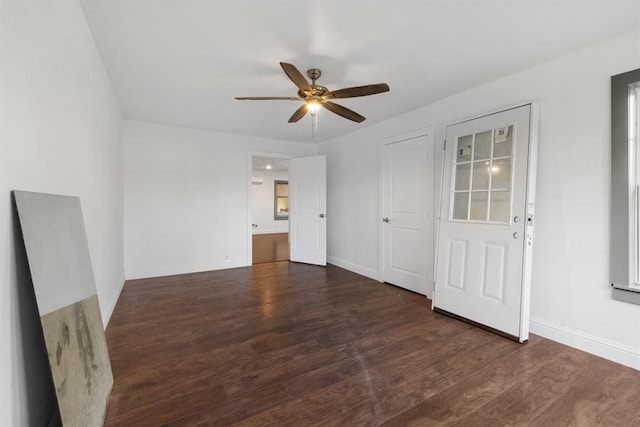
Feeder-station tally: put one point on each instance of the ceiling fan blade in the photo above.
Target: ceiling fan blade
(296, 77)
(352, 92)
(268, 98)
(343, 111)
(299, 113)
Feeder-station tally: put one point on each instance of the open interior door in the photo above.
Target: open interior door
(485, 233)
(307, 210)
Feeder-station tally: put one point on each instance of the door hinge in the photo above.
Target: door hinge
(444, 145)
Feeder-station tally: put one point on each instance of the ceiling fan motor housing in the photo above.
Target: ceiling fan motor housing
(316, 91)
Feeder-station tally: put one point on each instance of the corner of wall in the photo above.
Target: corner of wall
(369, 272)
(111, 305)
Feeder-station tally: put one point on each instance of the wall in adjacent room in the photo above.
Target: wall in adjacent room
(60, 132)
(262, 209)
(186, 197)
(571, 296)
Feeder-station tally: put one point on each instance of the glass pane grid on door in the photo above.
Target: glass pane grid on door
(482, 175)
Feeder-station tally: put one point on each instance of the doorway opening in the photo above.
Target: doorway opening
(269, 209)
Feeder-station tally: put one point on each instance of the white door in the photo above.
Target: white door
(307, 210)
(407, 223)
(486, 224)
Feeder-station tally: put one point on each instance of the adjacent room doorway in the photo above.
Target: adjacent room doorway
(269, 209)
(287, 209)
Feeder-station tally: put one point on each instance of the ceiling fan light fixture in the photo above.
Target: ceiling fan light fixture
(313, 105)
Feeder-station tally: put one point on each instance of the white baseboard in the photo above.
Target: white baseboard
(615, 352)
(111, 305)
(371, 273)
(178, 269)
(172, 270)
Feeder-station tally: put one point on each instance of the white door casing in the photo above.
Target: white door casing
(307, 210)
(485, 232)
(407, 206)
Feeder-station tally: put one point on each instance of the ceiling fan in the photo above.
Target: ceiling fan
(316, 96)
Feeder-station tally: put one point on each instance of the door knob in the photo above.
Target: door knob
(516, 235)
(321, 215)
(385, 219)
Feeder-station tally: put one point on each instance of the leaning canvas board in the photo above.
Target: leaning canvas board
(58, 254)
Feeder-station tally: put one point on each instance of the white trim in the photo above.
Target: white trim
(586, 342)
(111, 304)
(249, 217)
(380, 277)
(416, 133)
(500, 110)
(178, 269)
(438, 214)
(369, 272)
(530, 203)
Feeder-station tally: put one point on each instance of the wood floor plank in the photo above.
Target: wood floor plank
(475, 390)
(338, 397)
(280, 372)
(470, 360)
(270, 247)
(530, 397)
(138, 409)
(286, 344)
(332, 373)
(627, 411)
(588, 400)
(233, 411)
(400, 370)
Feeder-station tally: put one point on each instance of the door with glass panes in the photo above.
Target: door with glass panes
(485, 229)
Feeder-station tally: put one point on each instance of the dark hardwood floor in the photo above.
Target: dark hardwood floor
(286, 344)
(270, 247)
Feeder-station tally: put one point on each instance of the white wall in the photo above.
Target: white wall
(353, 202)
(571, 296)
(60, 132)
(186, 197)
(262, 203)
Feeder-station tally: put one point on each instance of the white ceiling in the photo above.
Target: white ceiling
(182, 62)
(274, 164)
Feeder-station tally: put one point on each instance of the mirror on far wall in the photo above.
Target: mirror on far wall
(280, 200)
(625, 187)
